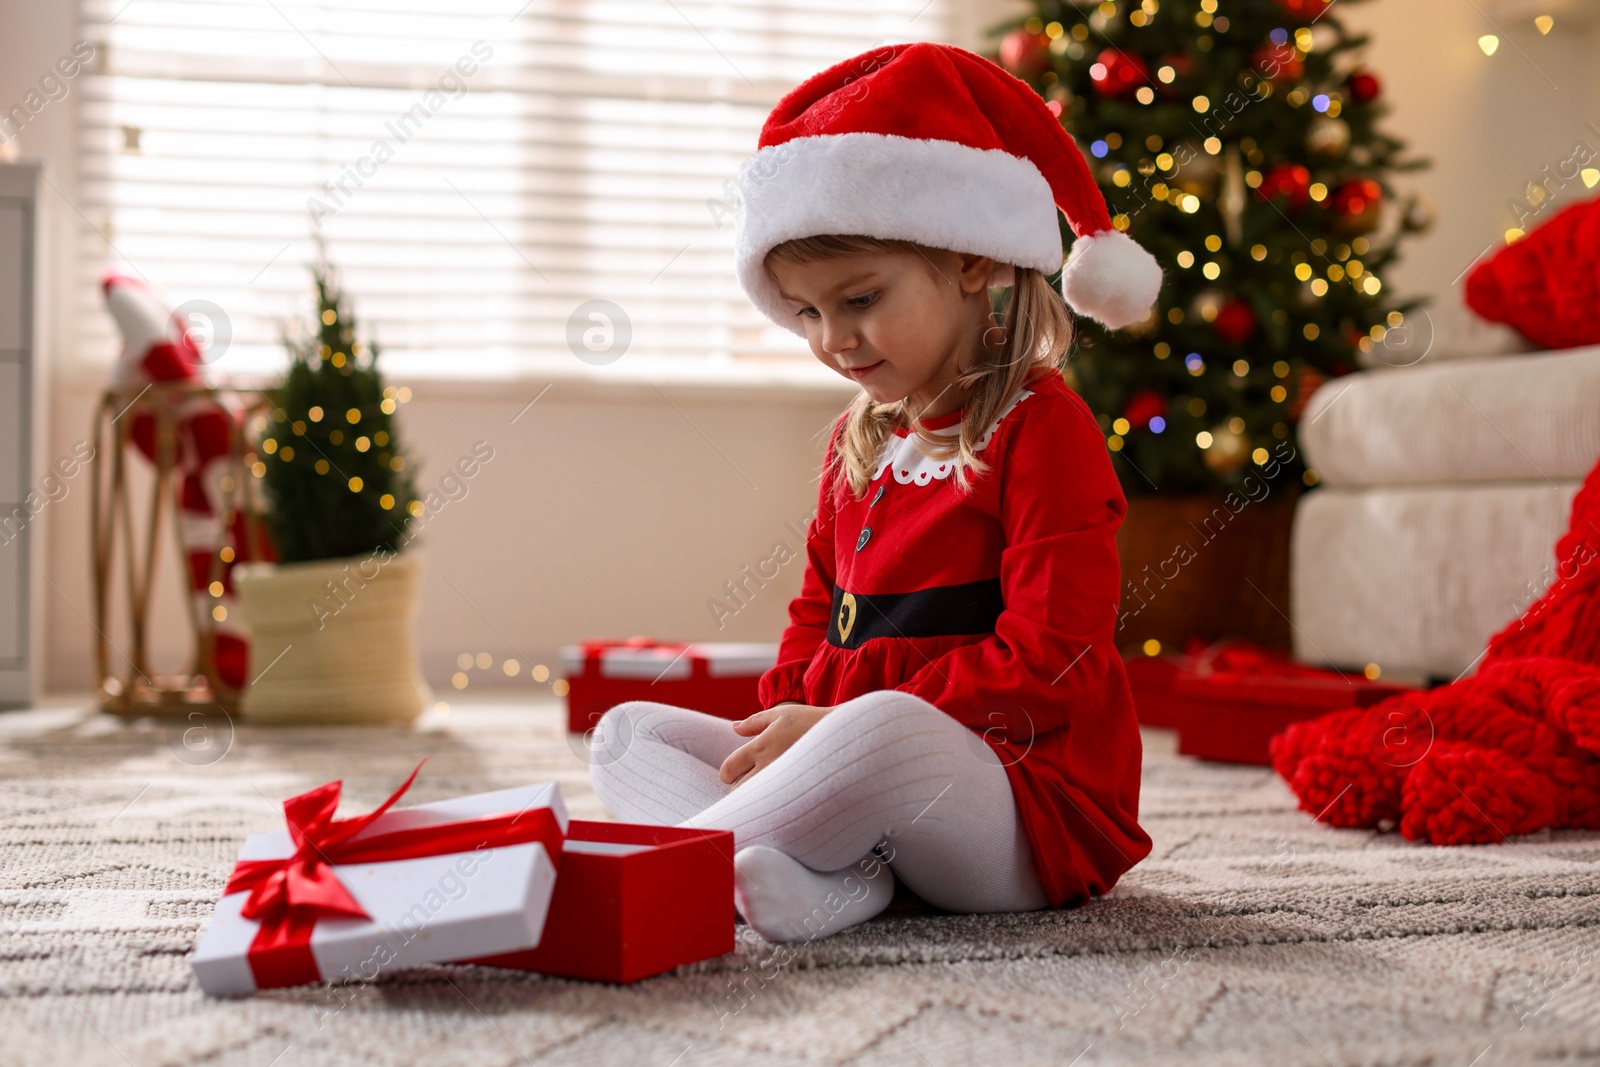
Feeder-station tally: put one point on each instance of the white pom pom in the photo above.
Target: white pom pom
(1108, 277)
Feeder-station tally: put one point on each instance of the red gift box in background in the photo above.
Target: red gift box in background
(1228, 699)
(1151, 678)
(716, 677)
(633, 901)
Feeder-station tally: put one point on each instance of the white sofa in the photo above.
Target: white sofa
(1443, 487)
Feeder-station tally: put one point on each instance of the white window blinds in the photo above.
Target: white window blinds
(478, 172)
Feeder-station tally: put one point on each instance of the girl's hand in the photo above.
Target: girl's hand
(774, 730)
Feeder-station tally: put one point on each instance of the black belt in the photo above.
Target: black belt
(970, 608)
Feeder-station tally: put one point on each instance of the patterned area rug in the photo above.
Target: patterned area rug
(1252, 935)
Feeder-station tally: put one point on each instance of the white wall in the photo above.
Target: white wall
(600, 515)
(1489, 123)
(619, 513)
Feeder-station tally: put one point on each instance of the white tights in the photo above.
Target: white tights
(886, 776)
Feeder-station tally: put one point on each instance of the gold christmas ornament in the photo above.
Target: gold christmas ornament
(1196, 165)
(1228, 451)
(1419, 215)
(1207, 303)
(1328, 137)
(1231, 195)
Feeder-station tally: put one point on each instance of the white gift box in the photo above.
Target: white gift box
(671, 663)
(428, 909)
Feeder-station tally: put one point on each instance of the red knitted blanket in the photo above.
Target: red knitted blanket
(1511, 749)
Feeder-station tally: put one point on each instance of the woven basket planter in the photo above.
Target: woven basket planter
(331, 641)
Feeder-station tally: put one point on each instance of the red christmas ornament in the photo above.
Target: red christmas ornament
(1117, 73)
(1181, 63)
(1143, 406)
(1278, 62)
(1305, 9)
(1356, 204)
(1289, 180)
(1027, 55)
(1363, 85)
(1235, 322)
(1351, 334)
(1306, 383)
(1182, 66)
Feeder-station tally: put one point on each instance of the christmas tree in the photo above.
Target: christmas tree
(1237, 141)
(335, 475)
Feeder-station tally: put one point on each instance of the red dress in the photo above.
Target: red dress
(999, 608)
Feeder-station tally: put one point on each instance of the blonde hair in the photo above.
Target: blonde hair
(1038, 339)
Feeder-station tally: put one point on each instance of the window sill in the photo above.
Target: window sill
(568, 380)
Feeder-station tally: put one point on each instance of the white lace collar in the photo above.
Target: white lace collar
(913, 466)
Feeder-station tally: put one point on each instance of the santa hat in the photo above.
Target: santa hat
(933, 144)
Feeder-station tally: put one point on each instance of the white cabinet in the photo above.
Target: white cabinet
(21, 411)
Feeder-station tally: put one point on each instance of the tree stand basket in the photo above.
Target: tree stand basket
(334, 640)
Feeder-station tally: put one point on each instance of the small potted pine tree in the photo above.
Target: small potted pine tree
(331, 623)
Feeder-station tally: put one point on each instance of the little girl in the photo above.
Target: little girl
(948, 703)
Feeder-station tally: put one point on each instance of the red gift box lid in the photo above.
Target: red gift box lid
(1330, 691)
(661, 661)
(1243, 672)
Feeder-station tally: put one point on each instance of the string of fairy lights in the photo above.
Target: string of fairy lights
(318, 433)
(286, 452)
(467, 663)
(335, 435)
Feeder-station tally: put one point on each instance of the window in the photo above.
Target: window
(478, 170)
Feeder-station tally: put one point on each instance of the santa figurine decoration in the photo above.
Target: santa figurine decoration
(158, 348)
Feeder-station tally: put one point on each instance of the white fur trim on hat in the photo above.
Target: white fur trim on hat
(942, 194)
(1110, 278)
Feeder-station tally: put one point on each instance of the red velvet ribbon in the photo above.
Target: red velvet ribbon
(288, 895)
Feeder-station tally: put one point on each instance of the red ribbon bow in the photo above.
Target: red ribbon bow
(592, 649)
(288, 895)
(1238, 656)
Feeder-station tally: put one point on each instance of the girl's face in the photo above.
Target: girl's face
(900, 324)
